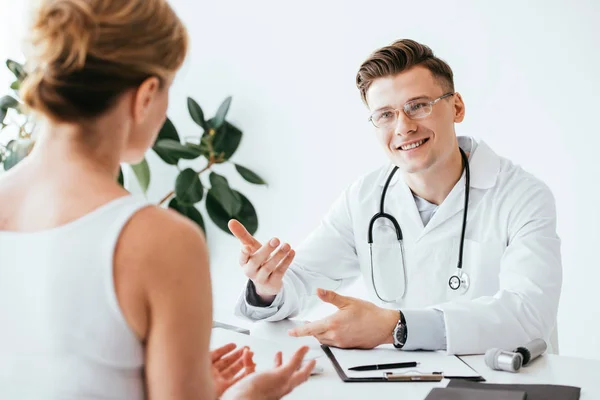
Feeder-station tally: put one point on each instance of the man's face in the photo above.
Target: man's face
(433, 135)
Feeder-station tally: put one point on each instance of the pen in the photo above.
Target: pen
(384, 366)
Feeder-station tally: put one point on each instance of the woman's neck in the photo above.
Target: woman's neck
(64, 146)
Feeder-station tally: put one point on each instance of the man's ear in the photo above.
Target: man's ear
(459, 108)
(144, 96)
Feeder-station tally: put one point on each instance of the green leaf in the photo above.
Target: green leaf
(168, 131)
(197, 114)
(142, 173)
(188, 187)
(226, 140)
(121, 178)
(17, 69)
(247, 214)
(171, 151)
(3, 113)
(7, 102)
(190, 212)
(219, 118)
(228, 199)
(164, 155)
(16, 85)
(18, 150)
(249, 175)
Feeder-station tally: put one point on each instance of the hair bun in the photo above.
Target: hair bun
(61, 35)
(82, 54)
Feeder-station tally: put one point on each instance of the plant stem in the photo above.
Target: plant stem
(171, 193)
(210, 163)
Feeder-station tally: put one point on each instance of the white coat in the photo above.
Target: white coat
(511, 254)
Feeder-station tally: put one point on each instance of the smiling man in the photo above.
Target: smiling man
(456, 244)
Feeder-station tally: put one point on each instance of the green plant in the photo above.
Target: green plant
(218, 142)
(12, 116)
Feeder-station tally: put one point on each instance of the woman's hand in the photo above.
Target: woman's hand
(229, 367)
(275, 383)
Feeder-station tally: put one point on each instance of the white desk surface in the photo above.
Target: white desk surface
(548, 369)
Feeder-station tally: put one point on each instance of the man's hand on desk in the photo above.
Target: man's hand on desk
(356, 324)
(265, 264)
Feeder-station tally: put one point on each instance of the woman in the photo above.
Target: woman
(101, 294)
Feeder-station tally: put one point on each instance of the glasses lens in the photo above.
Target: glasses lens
(384, 119)
(417, 109)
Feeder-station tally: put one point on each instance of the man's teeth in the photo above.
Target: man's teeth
(413, 145)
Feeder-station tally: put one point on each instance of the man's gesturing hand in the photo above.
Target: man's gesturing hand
(265, 264)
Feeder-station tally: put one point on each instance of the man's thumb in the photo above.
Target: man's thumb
(331, 297)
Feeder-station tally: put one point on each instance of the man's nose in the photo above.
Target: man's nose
(404, 125)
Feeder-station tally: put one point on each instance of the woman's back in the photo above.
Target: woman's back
(63, 333)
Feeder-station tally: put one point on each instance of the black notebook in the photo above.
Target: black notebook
(474, 394)
(534, 392)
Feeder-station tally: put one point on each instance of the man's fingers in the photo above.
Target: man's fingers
(310, 329)
(271, 264)
(327, 338)
(327, 342)
(239, 231)
(329, 296)
(259, 258)
(283, 266)
(245, 255)
(221, 351)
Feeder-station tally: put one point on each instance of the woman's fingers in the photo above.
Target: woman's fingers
(221, 351)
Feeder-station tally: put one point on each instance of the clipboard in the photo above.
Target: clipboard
(391, 377)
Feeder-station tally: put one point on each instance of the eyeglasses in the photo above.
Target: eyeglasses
(415, 109)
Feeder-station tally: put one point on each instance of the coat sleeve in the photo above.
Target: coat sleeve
(526, 304)
(326, 259)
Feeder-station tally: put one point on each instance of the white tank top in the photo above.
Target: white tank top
(62, 332)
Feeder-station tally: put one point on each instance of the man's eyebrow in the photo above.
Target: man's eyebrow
(422, 97)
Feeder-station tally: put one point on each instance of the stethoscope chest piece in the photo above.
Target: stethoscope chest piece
(459, 281)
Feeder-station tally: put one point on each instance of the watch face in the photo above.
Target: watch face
(399, 334)
(454, 282)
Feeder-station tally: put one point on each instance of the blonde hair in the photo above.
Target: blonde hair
(82, 54)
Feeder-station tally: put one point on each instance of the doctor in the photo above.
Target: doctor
(456, 244)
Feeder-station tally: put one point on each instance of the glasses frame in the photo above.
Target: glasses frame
(404, 107)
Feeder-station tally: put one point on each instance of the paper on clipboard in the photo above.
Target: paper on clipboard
(429, 362)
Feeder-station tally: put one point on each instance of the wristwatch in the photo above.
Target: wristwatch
(400, 332)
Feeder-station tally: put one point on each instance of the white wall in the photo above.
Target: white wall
(528, 72)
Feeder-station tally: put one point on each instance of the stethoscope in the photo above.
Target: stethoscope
(458, 281)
